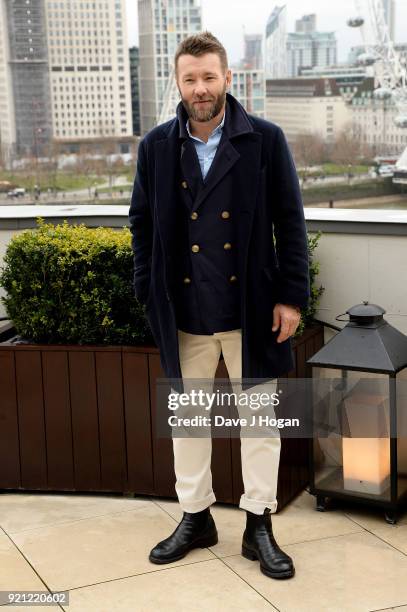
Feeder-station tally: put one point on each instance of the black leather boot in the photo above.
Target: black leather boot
(259, 543)
(196, 530)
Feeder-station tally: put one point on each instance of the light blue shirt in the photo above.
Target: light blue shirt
(206, 150)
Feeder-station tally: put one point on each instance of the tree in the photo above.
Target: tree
(348, 147)
(52, 153)
(86, 164)
(308, 149)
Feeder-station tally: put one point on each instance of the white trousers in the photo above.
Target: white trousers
(260, 456)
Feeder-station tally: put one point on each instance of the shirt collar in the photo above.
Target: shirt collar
(218, 127)
(237, 121)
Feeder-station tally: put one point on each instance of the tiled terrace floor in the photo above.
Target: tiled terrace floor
(97, 547)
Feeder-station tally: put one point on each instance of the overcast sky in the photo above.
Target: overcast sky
(227, 18)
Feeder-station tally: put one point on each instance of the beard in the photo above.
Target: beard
(211, 109)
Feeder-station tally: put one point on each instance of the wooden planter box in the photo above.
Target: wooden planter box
(79, 418)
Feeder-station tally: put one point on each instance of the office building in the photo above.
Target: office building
(25, 107)
(374, 121)
(275, 44)
(307, 24)
(348, 78)
(313, 106)
(389, 8)
(89, 71)
(135, 88)
(248, 86)
(309, 49)
(162, 26)
(253, 56)
(68, 77)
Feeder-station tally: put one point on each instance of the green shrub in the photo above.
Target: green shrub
(307, 314)
(71, 284)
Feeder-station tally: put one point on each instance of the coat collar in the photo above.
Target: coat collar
(237, 121)
(167, 155)
(215, 130)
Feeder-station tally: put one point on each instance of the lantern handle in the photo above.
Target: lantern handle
(341, 315)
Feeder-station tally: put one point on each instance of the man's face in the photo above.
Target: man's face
(202, 84)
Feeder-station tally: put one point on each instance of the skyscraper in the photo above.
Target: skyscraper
(253, 56)
(25, 112)
(307, 24)
(7, 118)
(162, 26)
(275, 44)
(389, 7)
(306, 47)
(66, 69)
(135, 88)
(90, 75)
(249, 87)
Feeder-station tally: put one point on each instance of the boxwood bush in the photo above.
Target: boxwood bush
(307, 314)
(69, 284)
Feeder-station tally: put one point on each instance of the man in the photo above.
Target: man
(212, 187)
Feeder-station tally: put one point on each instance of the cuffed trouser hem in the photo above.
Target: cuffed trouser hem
(198, 505)
(257, 506)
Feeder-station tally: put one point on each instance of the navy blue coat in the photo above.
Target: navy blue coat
(255, 171)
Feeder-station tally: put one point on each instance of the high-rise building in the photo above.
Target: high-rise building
(309, 49)
(253, 56)
(286, 54)
(66, 69)
(307, 24)
(162, 26)
(389, 7)
(90, 75)
(7, 118)
(25, 112)
(248, 86)
(135, 88)
(275, 44)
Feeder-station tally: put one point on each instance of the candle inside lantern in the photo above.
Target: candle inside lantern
(366, 464)
(366, 460)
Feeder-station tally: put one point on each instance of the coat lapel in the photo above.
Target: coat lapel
(225, 158)
(230, 150)
(190, 168)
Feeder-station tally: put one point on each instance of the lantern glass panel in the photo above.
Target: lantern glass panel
(401, 395)
(351, 442)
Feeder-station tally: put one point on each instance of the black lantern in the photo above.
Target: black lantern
(359, 402)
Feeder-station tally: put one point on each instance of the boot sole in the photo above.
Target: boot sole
(201, 543)
(252, 556)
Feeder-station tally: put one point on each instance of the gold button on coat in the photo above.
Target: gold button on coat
(194, 215)
(225, 214)
(187, 280)
(195, 248)
(184, 184)
(233, 278)
(227, 246)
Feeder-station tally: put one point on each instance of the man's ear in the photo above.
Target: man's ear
(228, 77)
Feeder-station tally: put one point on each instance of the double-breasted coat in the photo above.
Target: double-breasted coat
(254, 169)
